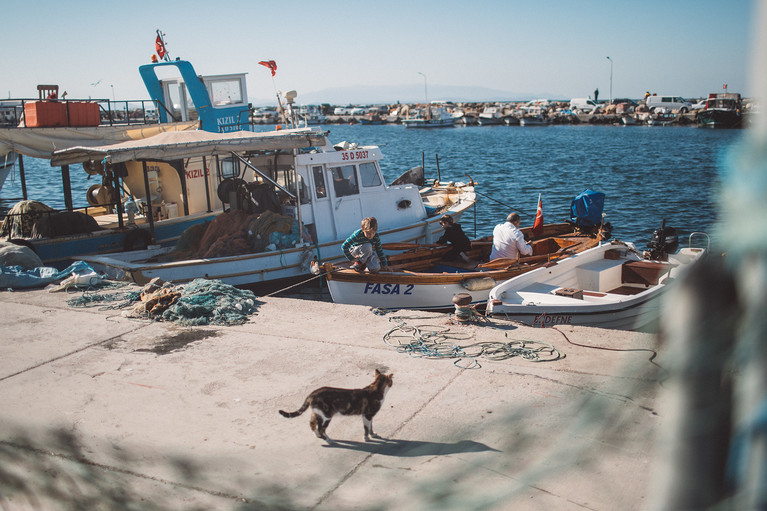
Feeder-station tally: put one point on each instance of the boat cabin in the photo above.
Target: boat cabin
(219, 102)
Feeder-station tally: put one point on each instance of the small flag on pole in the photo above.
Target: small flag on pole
(270, 64)
(159, 47)
(538, 225)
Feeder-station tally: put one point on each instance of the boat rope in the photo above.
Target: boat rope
(438, 342)
(319, 275)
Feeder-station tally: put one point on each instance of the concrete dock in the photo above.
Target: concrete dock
(100, 411)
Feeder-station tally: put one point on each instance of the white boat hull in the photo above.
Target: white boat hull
(591, 289)
(401, 296)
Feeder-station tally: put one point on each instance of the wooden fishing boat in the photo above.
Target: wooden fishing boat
(420, 276)
(608, 286)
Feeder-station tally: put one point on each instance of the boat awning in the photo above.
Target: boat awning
(42, 142)
(178, 145)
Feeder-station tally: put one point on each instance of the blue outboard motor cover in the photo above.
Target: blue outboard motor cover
(586, 209)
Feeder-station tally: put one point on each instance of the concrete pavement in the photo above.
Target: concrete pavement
(99, 411)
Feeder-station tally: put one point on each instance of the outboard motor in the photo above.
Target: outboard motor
(664, 241)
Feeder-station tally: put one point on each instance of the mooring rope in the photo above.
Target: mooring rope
(438, 342)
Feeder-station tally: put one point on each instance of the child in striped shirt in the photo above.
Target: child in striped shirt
(363, 247)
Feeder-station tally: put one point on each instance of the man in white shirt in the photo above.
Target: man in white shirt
(508, 240)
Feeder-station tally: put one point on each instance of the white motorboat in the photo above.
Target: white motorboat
(431, 117)
(609, 286)
(322, 191)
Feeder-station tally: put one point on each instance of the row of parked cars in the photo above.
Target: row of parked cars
(669, 103)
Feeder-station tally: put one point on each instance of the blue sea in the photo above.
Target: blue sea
(649, 174)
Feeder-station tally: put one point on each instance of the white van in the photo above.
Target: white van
(670, 103)
(583, 104)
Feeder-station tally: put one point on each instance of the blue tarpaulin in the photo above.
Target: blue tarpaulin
(586, 209)
(16, 277)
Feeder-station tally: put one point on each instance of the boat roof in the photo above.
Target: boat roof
(177, 145)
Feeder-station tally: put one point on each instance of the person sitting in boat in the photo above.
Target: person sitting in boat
(455, 237)
(508, 240)
(364, 249)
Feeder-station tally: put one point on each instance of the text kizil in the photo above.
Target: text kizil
(194, 173)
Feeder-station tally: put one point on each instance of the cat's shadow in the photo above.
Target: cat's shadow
(410, 448)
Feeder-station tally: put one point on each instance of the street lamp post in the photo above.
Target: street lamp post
(611, 79)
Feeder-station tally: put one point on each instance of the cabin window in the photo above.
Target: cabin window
(369, 175)
(319, 183)
(175, 98)
(229, 168)
(225, 92)
(344, 180)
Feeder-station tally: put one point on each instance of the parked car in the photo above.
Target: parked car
(700, 105)
(669, 103)
(584, 104)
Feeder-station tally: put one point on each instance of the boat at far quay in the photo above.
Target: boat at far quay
(722, 110)
(431, 118)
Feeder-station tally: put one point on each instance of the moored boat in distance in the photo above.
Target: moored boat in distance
(722, 110)
(430, 117)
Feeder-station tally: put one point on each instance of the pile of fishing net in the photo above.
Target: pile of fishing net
(200, 302)
(236, 232)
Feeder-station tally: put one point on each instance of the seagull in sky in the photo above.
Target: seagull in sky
(96, 83)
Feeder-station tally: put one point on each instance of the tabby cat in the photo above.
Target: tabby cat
(328, 401)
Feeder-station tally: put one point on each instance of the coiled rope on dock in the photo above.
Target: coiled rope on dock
(438, 342)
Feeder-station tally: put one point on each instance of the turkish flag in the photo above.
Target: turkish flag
(270, 64)
(159, 46)
(538, 225)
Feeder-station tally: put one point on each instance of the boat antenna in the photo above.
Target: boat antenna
(159, 46)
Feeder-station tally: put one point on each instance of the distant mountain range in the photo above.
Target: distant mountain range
(385, 95)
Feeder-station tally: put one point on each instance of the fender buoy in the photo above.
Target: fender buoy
(136, 239)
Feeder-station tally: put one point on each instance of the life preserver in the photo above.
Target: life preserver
(136, 239)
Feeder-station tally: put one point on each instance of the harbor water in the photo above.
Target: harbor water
(649, 174)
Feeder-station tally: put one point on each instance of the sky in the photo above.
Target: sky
(386, 50)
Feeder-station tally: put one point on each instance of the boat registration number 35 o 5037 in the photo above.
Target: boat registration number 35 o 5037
(354, 155)
(388, 289)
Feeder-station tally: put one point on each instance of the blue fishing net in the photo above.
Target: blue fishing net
(211, 302)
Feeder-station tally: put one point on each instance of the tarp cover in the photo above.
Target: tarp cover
(586, 209)
(42, 142)
(178, 145)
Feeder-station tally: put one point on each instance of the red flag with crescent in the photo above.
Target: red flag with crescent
(159, 46)
(538, 225)
(270, 64)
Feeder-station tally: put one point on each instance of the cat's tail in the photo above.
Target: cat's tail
(298, 412)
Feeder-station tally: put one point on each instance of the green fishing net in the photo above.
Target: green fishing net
(211, 302)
